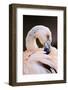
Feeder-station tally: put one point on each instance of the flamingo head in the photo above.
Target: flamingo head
(44, 35)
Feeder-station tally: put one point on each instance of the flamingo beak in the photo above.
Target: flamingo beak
(47, 47)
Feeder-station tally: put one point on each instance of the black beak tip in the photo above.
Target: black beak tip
(47, 50)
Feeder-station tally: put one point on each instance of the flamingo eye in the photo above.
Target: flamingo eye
(47, 37)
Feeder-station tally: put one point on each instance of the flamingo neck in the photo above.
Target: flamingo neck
(31, 44)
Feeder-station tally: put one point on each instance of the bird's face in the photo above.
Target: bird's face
(45, 38)
(47, 43)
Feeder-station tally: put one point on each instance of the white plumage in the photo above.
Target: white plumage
(39, 32)
(36, 60)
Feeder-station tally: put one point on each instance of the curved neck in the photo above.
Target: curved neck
(31, 44)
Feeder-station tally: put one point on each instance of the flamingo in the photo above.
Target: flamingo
(40, 60)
